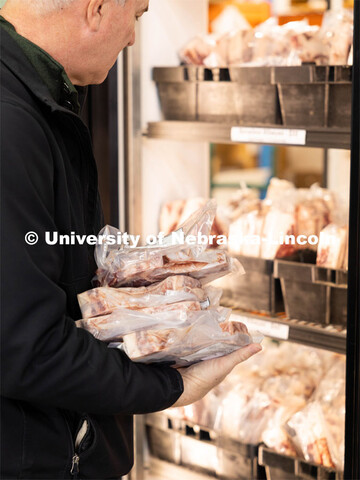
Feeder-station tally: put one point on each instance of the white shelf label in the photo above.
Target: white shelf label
(266, 327)
(280, 136)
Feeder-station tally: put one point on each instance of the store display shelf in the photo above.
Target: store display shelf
(162, 470)
(200, 449)
(223, 133)
(281, 467)
(328, 337)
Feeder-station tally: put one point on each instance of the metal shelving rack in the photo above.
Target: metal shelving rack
(220, 133)
(328, 337)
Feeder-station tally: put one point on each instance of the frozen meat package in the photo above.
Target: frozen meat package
(155, 302)
(174, 255)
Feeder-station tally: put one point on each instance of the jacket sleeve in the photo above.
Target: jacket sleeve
(45, 359)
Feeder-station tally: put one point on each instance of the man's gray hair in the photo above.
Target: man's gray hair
(46, 6)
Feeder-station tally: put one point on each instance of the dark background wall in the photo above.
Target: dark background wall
(100, 115)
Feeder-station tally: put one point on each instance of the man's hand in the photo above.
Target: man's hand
(199, 379)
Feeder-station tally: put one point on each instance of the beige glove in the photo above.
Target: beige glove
(200, 378)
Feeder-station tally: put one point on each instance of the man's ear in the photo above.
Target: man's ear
(94, 14)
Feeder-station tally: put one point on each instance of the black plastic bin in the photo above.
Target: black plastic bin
(201, 449)
(257, 290)
(315, 96)
(177, 90)
(238, 95)
(312, 293)
(282, 467)
(238, 461)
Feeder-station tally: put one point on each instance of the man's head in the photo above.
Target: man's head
(85, 36)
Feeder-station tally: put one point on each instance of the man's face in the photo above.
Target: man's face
(117, 32)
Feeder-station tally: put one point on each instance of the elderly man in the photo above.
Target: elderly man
(67, 400)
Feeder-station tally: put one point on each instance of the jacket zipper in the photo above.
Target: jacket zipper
(75, 465)
(82, 432)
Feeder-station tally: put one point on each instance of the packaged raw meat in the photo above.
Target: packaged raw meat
(331, 396)
(245, 234)
(272, 45)
(309, 432)
(170, 215)
(238, 46)
(203, 412)
(175, 255)
(332, 248)
(277, 225)
(243, 201)
(278, 188)
(166, 312)
(174, 213)
(230, 19)
(232, 408)
(200, 48)
(200, 339)
(176, 288)
(337, 31)
(123, 321)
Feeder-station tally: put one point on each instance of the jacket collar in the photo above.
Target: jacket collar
(17, 62)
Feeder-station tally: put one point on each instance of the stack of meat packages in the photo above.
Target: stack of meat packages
(290, 397)
(270, 44)
(155, 302)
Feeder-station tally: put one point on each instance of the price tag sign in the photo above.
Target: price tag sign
(280, 136)
(267, 328)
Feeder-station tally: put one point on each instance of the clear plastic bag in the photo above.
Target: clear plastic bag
(331, 396)
(124, 321)
(174, 289)
(178, 254)
(332, 248)
(203, 412)
(200, 48)
(308, 431)
(204, 336)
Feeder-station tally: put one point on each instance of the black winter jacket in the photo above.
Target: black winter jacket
(53, 374)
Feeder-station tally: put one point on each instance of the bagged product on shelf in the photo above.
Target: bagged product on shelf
(238, 45)
(331, 396)
(277, 225)
(202, 50)
(288, 220)
(313, 211)
(310, 45)
(229, 20)
(232, 407)
(308, 431)
(245, 234)
(337, 30)
(333, 247)
(174, 213)
(278, 188)
(244, 200)
(318, 429)
(270, 44)
(260, 399)
(203, 412)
